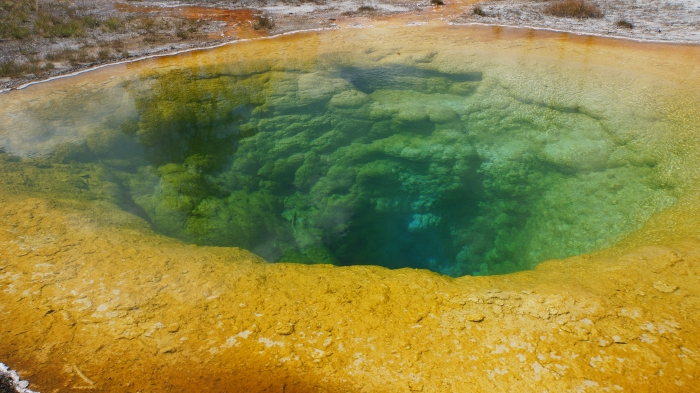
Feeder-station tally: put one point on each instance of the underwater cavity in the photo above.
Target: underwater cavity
(398, 166)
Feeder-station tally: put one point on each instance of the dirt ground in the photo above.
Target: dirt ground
(44, 39)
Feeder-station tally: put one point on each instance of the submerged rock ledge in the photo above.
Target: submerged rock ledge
(92, 303)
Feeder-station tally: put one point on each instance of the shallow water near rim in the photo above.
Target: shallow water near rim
(466, 151)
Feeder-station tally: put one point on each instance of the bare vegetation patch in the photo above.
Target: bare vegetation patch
(574, 9)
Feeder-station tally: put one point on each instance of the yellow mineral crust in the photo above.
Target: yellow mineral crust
(92, 299)
(106, 304)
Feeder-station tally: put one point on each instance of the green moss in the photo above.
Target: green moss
(241, 219)
(313, 255)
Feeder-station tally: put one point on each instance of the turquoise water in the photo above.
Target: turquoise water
(347, 163)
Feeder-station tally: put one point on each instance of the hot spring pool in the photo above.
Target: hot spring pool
(452, 157)
(139, 200)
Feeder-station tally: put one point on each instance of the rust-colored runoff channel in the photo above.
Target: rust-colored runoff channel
(239, 23)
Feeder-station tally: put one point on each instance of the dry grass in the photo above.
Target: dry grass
(362, 10)
(188, 28)
(623, 24)
(87, 54)
(27, 26)
(477, 10)
(13, 69)
(32, 30)
(113, 23)
(26, 18)
(71, 56)
(104, 54)
(263, 23)
(574, 9)
(15, 18)
(21, 19)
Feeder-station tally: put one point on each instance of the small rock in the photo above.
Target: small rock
(10, 381)
(173, 327)
(168, 349)
(285, 329)
(664, 288)
(66, 318)
(476, 317)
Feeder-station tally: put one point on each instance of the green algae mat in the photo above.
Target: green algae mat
(466, 151)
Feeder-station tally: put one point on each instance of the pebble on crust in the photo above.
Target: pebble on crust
(10, 382)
